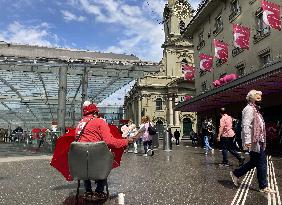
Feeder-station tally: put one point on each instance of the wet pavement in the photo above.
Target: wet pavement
(182, 176)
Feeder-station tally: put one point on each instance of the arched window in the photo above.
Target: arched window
(181, 26)
(159, 104)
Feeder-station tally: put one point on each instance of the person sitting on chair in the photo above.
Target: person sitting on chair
(94, 129)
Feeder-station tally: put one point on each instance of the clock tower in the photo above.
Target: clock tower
(177, 14)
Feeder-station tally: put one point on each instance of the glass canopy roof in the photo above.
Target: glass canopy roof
(29, 81)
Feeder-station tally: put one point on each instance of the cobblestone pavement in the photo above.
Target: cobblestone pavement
(183, 176)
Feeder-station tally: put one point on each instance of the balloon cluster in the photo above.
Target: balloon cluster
(224, 80)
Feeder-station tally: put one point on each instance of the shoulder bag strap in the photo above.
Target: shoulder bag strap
(78, 136)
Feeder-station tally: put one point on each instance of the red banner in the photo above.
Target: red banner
(271, 14)
(241, 36)
(189, 72)
(206, 62)
(221, 50)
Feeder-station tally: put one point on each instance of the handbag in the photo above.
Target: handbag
(151, 130)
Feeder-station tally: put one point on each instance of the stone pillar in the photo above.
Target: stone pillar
(170, 111)
(176, 115)
(61, 114)
(84, 85)
(135, 110)
(139, 109)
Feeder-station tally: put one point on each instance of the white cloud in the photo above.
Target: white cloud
(141, 33)
(33, 35)
(68, 16)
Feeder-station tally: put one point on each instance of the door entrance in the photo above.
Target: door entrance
(187, 127)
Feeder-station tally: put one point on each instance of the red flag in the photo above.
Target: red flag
(271, 14)
(241, 36)
(187, 97)
(221, 50)
(206, 62)
(189, 72)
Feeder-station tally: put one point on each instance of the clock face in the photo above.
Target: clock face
(181, 10)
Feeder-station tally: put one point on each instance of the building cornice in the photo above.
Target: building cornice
(206, 7)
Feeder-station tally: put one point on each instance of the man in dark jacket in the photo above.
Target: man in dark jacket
(176, 136)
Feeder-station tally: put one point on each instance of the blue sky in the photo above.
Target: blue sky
(118, 26)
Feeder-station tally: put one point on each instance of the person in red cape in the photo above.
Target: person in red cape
(94, 129)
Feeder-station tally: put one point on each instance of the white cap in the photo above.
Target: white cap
(86, 103)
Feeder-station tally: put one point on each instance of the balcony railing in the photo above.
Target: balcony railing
(201, 45)
(261, 35)
(219, 62)
(202, 73)
(234, 14)
(252, 1)
(237, 51)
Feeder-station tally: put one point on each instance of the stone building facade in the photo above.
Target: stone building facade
(214, 21)
(157, 94)
(259, 67)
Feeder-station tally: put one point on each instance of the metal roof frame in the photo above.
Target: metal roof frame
(29, 81)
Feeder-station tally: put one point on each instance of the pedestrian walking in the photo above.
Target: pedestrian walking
(194, 138)
(238, 138)
(132, 131)
(206, 131)
(211, 132)
(146, 137)
(226, 137)
(176, 136)
(254, 139)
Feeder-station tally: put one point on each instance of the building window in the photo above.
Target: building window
(201, 36)
(204, 86)
(234, 9)
(240, 69)
(181, 26)
(265, 58)
(159, 104)
(262, 28)
(201, 40)
(218, 25)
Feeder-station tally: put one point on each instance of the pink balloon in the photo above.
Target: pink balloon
(216, 83)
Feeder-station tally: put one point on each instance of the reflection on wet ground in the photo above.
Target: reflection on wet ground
(183, 176)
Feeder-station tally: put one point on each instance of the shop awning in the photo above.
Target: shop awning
(268, 80)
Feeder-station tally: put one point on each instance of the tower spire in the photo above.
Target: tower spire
(171, 2)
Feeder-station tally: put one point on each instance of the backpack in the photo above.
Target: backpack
(151, 130)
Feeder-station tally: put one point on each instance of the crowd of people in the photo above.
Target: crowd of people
(247, 134)
(252, 135)
(236, 136)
